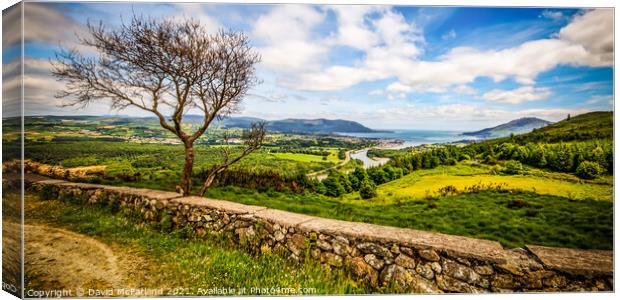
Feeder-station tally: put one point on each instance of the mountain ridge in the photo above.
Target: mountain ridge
(517, 126)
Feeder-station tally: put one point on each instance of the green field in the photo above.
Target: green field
(423, 183)
(544, 220)
(308, 158)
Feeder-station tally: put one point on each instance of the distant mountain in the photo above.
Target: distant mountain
(316, 126)
(240, 122)
(299, 125)
(518, 126)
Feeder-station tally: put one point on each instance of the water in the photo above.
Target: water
(412, 137)
(367, 161)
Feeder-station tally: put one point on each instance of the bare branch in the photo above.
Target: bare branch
(166, 67)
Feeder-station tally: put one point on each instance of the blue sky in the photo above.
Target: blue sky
(403, 67)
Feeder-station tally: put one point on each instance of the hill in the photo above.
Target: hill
(597, 125)
(298, 125)
(518, 126)
(316, 126)
(589, 126)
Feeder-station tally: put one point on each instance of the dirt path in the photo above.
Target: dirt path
(62, 258)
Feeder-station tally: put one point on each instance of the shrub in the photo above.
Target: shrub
(512, 167)
(517, 203)
(448, 190)
(368, 189)
(450, 162)
(588, 170)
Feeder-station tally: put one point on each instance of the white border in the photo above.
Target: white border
(490, 3)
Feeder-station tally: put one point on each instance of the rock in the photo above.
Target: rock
(405, 261)
(246, 233)
(279, 236)
(519, 262)
(323, 237)
(324, 245)
(422, 286)
(297, 243)
(342, 240)
(331, 259)
(503, 281)
(268, 226)
(407, 251)
(556, 281)
(463, 261)
(375, 262)
(362, 271)
(241, 223)
(340, 248)
(425, 270)
(449, 284)
(511, 268)
(395, 250)
(429, 254)
(530, 281)
(225, 219)
(460, 272)
(374, 249)
(436, 267)
(484, 270)
(397, 274)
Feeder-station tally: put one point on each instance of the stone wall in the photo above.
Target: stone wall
(419, 261)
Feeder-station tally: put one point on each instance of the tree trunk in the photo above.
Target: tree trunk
(186, 181)
(207, 183)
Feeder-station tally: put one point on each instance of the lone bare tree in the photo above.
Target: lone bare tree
(167, 68)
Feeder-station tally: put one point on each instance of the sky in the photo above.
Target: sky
(387, 67)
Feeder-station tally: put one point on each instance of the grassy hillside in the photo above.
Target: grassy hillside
(590, 126)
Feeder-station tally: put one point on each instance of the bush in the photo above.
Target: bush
(450, 162)
(368, 189)
(512, 167)
(517, 203)
(588, 170)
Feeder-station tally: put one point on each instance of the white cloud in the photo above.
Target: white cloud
(377, 92)
(398, 87)
(594, 31)
(601, 99)
(462, 116)
(197, 12)
(395, 40)
(586, 41)
(449, 35)
(516, 96)
(352, 30)
(553, 15)
(286, 32)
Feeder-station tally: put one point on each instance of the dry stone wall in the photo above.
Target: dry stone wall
(418, 261)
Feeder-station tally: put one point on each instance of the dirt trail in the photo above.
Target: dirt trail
(66, 259)
(60, 259)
